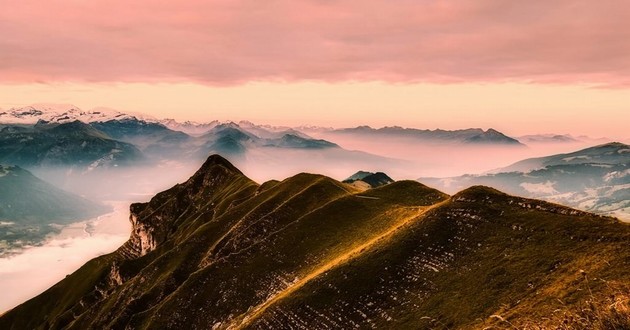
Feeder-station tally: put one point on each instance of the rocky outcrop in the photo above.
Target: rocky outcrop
(154, 222)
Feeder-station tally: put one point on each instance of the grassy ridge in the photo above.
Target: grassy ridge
(310, 252)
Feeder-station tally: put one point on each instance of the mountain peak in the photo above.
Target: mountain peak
(478, 192)
(492, 136)
(493, 131)
(216, 160)
(358, 176)
(372, 179)
(614, 144)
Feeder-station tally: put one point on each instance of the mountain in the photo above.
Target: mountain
(271, 132)
(29, 207)
(466, 136)
(492, 136)
(227, 139)
(108, 139)
(232, 139)
(278, 156)
(372, 180)
(153, 139)
(357, 176)
(296, 141)
(595, 179)
(132, 128)
(547, 138)
(68, 144)
(61, 113)
(189, 127)
(609, 154)
(220, 251)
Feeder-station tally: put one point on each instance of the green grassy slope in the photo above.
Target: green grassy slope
(482, 259)
(220, 251)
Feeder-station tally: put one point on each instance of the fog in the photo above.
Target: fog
(421, 158)
(25, 275)
(132, 183)
(21, 275)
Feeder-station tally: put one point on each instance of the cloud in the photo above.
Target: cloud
(231, 42)
(35, 269)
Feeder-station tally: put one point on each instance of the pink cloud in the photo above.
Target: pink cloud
(227, 42)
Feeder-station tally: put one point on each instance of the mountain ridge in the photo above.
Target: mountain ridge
(55, 113)
(466, 136)
(219, 251)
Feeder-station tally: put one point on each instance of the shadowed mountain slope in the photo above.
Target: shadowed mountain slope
(595, 179)
(31, 208)
(28, 199)
(219, 251)
(368, 179)
(68, 144)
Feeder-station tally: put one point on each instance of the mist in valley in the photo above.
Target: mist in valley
(262, 155)
(21, 275)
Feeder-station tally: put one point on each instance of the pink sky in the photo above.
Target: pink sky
(228, 45)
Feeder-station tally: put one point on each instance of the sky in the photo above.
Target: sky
(518, 66)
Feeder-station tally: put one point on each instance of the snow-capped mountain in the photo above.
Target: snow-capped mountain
(189, 127)
(64, 113)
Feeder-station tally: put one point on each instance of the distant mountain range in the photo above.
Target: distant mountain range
(134, 139)
(595, 179)
(66, 113)
(465, 136)
(30, 207)
(62, 113)
(42, 137)
(559, 139)
(67, 136)
(547, 138)
(220, 251)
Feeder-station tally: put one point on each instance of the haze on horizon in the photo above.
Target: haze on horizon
(519, 67)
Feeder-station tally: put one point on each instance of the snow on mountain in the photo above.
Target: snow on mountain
(270, 131)
(64, 113)
(189, 127)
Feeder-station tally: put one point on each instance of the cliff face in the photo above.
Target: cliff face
(219, 251)
(215, 187)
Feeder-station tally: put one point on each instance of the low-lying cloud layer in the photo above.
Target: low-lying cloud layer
(227, 42)
(21, 276)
